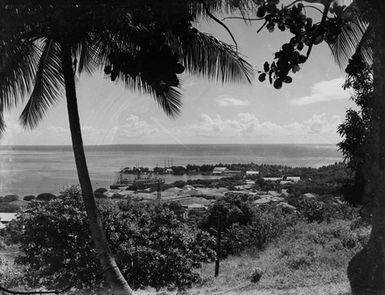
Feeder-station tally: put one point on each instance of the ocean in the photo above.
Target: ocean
(36, 169)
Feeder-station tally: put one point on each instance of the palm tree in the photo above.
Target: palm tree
(144, 45)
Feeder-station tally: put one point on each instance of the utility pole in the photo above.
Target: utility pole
(158, 193)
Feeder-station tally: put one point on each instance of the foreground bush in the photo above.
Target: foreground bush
(152, 246)
(267, 224)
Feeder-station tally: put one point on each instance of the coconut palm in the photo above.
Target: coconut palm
(44, 45)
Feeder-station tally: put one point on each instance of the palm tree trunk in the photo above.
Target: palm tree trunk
(366, 270)
(113, 276)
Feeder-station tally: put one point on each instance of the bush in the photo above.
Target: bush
(265, 227)
(101, 190)
(10, 207)
(57, 250)
(10, 198)
(29, 198)
(99, 193)
(256, 275)
(45, 197)
(320, 244)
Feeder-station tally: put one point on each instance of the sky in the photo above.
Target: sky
(307, 111)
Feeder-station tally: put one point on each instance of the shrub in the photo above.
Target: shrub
(45, 197)
(266, 225)
(29, 198)
(310, 209)
(180, 183)
(256, 275)
(10, 198)
(101, 190)
(9, 207)
(57, 249)
(99, 193)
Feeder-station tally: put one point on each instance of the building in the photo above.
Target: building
(252, 173)
(293, 178)
(5, 218)
(219, 170)
(233, 172)
(272, 178)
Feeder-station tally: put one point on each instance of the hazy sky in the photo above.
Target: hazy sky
(306, 111)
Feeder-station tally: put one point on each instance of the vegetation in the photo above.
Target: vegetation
(223, 213)
(45, 45)
(56, 248)
(356, 29)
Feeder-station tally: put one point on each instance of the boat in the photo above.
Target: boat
(142, 180)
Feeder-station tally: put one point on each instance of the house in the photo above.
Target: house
(283, 182)
(5, 218)
(293, 178)
(194, 207)
(252, 173)
(309, 196)
(272, 178)
(233, 172)
(219, 170)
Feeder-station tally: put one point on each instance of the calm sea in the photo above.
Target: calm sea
(36, 169)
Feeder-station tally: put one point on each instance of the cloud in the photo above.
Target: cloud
(229, 101)
(246, 127)
(324, 91)
(133, 127)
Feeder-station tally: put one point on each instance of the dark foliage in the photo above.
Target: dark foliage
(57, 247)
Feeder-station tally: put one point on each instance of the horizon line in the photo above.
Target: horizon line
(176, 144)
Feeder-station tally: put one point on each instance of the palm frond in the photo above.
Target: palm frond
(85, 56)
(48, 86)
(206, 56)
(200, 8)
(18, 66)
(355, 38)
(168, 97)
(2, 122)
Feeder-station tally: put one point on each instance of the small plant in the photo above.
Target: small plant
(256, 275)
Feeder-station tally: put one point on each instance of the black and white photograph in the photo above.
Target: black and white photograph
(192, 147)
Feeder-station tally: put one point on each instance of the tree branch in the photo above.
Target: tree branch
(260, 29)
(324, 16)
(316, 8)
(243, 18)
(222, 24)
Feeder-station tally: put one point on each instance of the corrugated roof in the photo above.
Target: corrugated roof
(7, 217)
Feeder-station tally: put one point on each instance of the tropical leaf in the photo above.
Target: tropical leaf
(2, 122)
(167, 97)
(355, 38)
(48, 85)
(85, 56)
(19, 61)
(206, 56)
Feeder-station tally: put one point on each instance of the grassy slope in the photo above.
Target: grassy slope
(307, 259)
